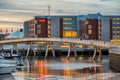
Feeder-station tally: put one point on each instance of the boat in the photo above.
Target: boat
(7, 68)
(7, 77)
(7, 61)
(10, 55)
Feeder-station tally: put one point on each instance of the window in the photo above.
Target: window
(89, 26)
(89, 31)
(70, 33)
(115, 18)
(38, 29)
(67, 23)
(67, 18)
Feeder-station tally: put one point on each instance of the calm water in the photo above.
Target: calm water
(82, 68)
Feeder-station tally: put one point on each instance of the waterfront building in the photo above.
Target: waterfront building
(91, 26)
(100, 27)
(52, 26)
(115, 29)
(91, 29)
(26, 29)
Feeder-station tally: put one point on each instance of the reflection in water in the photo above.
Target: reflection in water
(6, 77)
(63, 69)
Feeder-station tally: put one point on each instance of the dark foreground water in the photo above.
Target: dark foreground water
(82, 68)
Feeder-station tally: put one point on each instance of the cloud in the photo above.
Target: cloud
(9, 25)
(22, 10)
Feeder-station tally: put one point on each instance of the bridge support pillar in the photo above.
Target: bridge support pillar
(14, 48)
(49, 47)
(72, 47)
(100, 54)
(94, 54)
(30, 47)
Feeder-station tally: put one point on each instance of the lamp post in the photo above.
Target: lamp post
(86, 22)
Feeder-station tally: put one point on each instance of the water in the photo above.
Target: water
(82, 68)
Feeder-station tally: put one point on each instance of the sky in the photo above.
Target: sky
(14, 12)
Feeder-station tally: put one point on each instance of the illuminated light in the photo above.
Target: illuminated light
(65, 46)
(49, 26)
(80, 46)
(49, 31)
(41, 20)
(70, 33)
(117, 42)
(67, 23)
(41, 42)
(67, 18)
(90, 46)
(49, 21)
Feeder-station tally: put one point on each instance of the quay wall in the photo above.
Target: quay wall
(115, 60)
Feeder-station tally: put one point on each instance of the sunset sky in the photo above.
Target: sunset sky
(14, 12)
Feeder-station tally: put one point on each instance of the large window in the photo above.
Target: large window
(67, 18)
(70, 33)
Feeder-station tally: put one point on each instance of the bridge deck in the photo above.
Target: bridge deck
(59, 40)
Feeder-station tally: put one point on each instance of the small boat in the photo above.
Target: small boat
(7, 61)
(7, 68)
(7, 77)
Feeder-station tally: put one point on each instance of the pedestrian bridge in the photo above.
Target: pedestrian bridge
(50, 41)
(95, 43)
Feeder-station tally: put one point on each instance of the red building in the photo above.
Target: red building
(91, 29)
(39, 27)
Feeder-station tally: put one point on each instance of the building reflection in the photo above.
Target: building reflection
(36, 68)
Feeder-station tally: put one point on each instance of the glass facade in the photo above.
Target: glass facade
(70, 33)
(115, 27)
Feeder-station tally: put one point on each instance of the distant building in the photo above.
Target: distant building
(26, 29)
(115, 27)
(101, 24)
(17, 34)
(53, 26)
(97, 27)
(91, 29)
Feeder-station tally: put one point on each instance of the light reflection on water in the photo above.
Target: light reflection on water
(82, 68)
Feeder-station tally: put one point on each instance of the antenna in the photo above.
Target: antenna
(49, 8)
